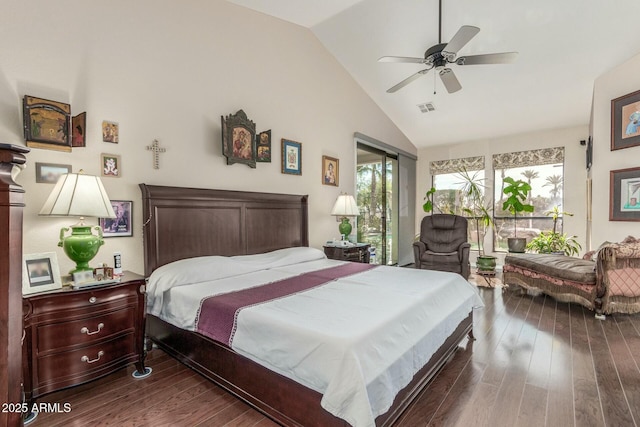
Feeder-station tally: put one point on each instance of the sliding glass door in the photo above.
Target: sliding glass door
(377, 200)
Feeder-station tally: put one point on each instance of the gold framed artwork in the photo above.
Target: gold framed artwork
(110, 165)
(46, 124)
(110, 132)
(330, 171)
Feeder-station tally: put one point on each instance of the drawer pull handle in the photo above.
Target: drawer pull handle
(86, 358)
(92, 300)
(85, 330)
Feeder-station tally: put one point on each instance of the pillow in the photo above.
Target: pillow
(281, 257)
(195, 270)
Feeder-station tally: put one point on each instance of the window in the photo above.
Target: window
(543, 170)
(449, 183)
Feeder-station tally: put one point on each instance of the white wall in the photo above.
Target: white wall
(620, 81)
(168, 70)
(575, 173)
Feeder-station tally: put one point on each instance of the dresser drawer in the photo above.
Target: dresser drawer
(69, 304)
(74, 364)
(59, 336)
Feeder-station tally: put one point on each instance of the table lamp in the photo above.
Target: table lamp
(77, 194)
(345, 207)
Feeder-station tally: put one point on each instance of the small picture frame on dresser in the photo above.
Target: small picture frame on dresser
(40, 272)
(85, 276)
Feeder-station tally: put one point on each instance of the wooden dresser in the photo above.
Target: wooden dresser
(74, 336)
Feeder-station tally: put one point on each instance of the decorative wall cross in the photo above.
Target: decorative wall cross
(155, 148)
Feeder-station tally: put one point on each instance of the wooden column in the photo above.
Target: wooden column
(11, 206)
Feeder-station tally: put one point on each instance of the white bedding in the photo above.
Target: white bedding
(357, 340)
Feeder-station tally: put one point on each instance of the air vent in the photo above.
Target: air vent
(427, 107)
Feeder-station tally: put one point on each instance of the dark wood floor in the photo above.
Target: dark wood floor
(535, 362)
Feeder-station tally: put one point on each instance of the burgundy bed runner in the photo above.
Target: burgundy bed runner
(218, 314)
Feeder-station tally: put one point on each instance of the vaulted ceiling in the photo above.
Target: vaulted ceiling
(563, 45)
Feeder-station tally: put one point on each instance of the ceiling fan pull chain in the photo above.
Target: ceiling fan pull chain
(434, 83)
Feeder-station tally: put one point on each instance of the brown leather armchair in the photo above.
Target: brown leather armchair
(443, 244)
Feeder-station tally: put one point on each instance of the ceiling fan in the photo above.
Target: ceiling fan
(443, 54)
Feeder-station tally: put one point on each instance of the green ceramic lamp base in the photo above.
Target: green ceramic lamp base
(345, 227)
(81, 246)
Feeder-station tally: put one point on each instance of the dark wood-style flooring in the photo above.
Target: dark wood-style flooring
(535, 362)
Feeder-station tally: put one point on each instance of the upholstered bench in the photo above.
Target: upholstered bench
(565, 278)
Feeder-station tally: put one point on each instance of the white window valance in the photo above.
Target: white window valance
(439, 167)
(519, 159)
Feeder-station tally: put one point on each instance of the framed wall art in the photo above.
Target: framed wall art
(40, 272)
(110, 165)
(120, 226)
(625, 121)
(50, 172)
(110, 132)
(291, 157)
(78, 130)
(263, 146)
(624, 195)
(330, 171)
(46, 124)
(239, 139)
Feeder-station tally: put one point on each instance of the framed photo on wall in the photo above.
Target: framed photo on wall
(46, 124)
(625, 121)
(79, 130)
(40, 272)
(624, 195)
(110, 165)
(121, 225)
(50, 172)
(330, 171)
(110, 132)
(291, 157)
(263, 147)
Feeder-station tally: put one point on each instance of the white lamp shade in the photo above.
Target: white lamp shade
(345, 206)
(78, 195)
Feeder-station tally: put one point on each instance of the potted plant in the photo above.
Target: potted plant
(480, 213)
(552, 242)
(516, 192)
(428, 205)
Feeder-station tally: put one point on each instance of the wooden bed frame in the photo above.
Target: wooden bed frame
(186, 222)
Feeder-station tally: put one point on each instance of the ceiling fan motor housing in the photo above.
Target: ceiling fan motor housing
(434, 56)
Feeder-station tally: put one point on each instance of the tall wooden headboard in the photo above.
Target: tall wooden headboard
(188, 222)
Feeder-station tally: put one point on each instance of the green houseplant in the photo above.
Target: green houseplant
(553, 242)
(480, 213)
(516, 192)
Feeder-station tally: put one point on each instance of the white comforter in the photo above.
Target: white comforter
(357, 340)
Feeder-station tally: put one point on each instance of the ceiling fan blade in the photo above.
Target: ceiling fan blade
(401, 59)
(488, 58)
(450, 80)
(462, 37)
(407, 81)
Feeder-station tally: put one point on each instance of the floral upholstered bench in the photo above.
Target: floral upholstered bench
(565, 278)
(607, 280)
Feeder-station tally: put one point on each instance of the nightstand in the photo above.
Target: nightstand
(72, 336)
(357, 253)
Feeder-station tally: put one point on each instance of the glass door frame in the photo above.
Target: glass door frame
(385, 157)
